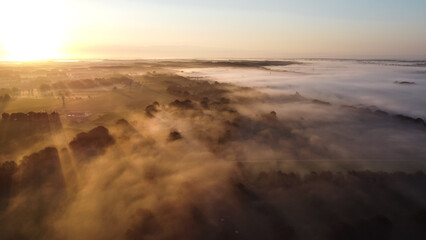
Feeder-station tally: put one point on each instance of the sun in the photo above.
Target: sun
(31, 30)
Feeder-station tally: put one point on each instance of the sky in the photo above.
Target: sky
(31, 29)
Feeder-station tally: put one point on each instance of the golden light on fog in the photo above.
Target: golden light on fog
(31, 30)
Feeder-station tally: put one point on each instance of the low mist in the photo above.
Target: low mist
(141, 150)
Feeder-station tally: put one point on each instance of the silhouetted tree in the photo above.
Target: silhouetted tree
(92, 143)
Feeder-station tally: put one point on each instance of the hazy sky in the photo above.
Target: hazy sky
(216, 29)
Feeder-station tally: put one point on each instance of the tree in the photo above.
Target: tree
(5, 116)
(45, 88)
(5, 98)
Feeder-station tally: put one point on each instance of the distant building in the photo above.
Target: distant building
(78, 116)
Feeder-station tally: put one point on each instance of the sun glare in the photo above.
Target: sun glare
(31, 30)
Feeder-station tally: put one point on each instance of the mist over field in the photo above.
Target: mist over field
(213, 149)
(396, 86)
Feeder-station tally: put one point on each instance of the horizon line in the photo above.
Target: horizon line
(216, 59)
